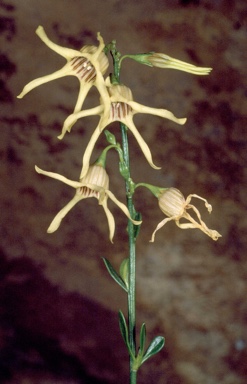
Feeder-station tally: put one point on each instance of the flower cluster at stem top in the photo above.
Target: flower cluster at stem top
(116, 103)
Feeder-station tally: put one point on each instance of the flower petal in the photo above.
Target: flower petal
(72, 119)
(83, 91)
(139, 108)
(160, 225)
(61, 214)
(105, 98)
(210, 232)
(44, 79)
(207, 205)
(121, 206)
(89, 149)
(67, 53)
(110, 218)
(71, 183)
(143, 145)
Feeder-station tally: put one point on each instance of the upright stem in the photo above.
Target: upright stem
(131, 229)
(132, 260)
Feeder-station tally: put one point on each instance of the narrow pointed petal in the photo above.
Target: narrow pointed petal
(143, 145)
(71, 183)
(72, 119)
(139, 108)
(89, 150)
(160, 225)
(105, 98)
(110, 219)
(210, 232)
(100, 47)
(44, 79)
(67, 53)
(122, 207)
(207, 205)
(61, 214)
(83, 91)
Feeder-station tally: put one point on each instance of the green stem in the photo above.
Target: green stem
(132, 259)
(131, 231)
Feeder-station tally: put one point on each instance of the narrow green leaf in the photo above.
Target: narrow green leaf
(114, 274)
(155, 346)
(123, 328)
(125, 334)
(142, 338)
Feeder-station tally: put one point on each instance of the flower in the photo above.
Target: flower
(122, 108)
(161, 60)
(173, 204)
(94, 184)
(88, 65)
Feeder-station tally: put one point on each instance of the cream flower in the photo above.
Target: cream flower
(173, 204)
(94, 184)
(88, 65)
(122, 108)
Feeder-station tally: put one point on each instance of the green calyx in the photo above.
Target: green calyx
(156, 191)
(141, 58)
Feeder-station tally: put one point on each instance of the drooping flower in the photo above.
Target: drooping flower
(94, 184)
(173, 204)
(122, 108)
(88, 64)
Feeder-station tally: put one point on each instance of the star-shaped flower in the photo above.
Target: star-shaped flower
(122, 108)
(88, 65)
(94, 184)
(173, 204)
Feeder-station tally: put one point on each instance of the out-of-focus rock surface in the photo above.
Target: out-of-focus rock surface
(58, 305)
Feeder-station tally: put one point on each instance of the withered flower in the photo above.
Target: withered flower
(173, 204)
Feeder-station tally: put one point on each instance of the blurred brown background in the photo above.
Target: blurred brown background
(58, 305)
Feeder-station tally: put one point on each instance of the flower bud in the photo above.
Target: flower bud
(161, 60)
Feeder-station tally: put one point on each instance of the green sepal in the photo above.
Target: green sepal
(124, 332)
(124, 272)
(114, 274)
(110, 137)
(141, 58)
(155, 346)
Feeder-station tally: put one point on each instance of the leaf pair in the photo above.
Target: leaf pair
(123, 278)
(155, 346)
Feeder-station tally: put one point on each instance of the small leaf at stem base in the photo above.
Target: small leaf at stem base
(155, 346)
